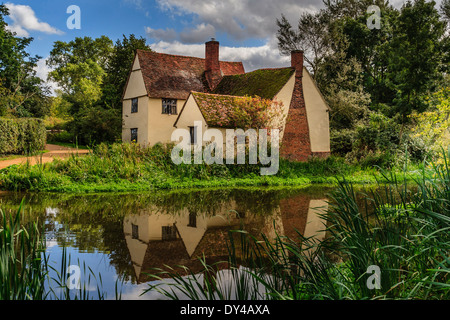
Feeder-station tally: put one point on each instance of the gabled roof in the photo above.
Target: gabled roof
(174, 77)
(265, 83)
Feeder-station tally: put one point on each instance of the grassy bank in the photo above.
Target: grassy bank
(128, 167)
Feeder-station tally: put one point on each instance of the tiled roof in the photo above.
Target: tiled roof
(173, 76)
(224, 111)
(265, 83)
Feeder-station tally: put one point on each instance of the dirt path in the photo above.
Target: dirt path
(54, 152)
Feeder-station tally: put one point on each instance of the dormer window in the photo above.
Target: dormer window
(134, 105)
(169, 106)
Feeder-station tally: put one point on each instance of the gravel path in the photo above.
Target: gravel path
(54, 151)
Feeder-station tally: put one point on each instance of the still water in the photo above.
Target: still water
(127, 236)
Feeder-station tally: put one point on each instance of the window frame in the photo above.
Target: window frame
(193, 135)
(131, 134)
(169, 106)
(135, 106)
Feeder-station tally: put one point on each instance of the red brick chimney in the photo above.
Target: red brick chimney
(212, 65)
(296, 144)
(297, 59)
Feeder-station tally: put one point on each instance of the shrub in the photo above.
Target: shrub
(21, 136)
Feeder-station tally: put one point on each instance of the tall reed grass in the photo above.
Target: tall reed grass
(25, 270)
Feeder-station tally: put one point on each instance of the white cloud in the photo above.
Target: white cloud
(241, 19)
(42, 71)
(161, 34)
(201, 33)
(25, 20)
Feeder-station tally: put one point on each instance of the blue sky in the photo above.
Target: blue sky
(245, 28)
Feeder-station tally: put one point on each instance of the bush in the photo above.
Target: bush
(63, 136)
(92, 126)
(22, 136)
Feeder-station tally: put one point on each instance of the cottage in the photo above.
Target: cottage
(165, 92)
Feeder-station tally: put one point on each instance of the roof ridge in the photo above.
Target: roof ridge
(225, 95)
(181, 56)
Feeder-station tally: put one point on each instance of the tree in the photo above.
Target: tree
(445, 9)
(22, 93)
(433, 125)
(415, 56)
(79, 69)
(92, 74)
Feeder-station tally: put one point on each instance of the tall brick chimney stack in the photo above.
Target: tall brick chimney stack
(296, 144)
(297, 59)
(212, 65)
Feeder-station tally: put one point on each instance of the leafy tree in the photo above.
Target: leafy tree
(415, 56)
(79, 69)
(92, 74)
(433, 125)
(22, 93)
(445, 9)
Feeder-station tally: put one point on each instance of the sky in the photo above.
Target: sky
(246, 29)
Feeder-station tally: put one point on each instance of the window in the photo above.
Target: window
(169, 106)
(134, 231)
(169, 233)
(134, 135)
(193, 132)
(134, 105)
(192, 220)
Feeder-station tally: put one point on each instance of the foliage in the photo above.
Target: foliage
(22, 93)
(92, 74)
(130, 167)
(433, 125)
(22, 269)
(94, 125)
(22, 136)
(399, 62)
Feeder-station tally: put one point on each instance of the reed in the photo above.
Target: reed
(22, 265)
(25, 271)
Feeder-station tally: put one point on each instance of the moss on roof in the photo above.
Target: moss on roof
(265, 83)
(224, 111)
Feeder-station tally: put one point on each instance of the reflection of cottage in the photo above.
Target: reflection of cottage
(165, 90)
(156, 240)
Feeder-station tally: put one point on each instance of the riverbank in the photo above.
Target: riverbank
(129, 168)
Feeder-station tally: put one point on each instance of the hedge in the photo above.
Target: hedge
(22, 136)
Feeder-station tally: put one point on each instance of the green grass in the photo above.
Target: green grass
(410, 243)
(69, 145)
(128, 167)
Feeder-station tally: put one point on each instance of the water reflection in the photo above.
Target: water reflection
(128, 235)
